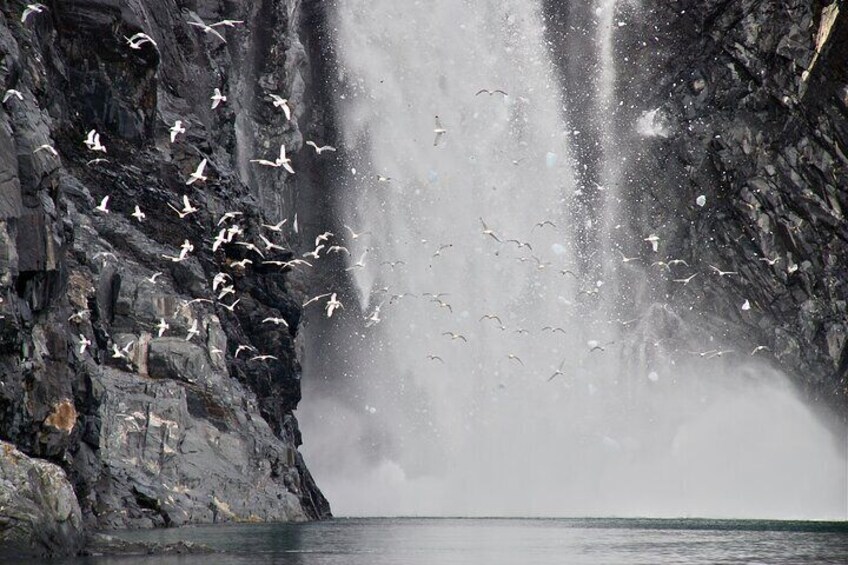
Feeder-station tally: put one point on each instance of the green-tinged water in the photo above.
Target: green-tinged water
(414, 541)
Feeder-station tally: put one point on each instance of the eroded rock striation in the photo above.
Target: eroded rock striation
(151, 429)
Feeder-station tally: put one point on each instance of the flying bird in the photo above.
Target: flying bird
(230, 307)
(332, 304)
(219, 240)
(721, 273)
(455, 336)
(207, 29)
(324, 237)
(228, 23)
(315, 299)
(198, 173)
(92, 141)
(354, 235)
(226, 291)
(490, 92)
(443, 304)
(176, 129)
(439, 131)
(340, 249)
(654, 241)
(192, 331)
(513, 357)
(162, 327)
(558, 372)
(139, 39)
(543, 224)
(487, 231)
(281, 161)
(321, 149)
(241, 348)
(685, 281)
(30, 9)
(217, 98)
(595, 345)
(242, 264)
(276, 321)
(219, 279)
(138, 214)
(103, 206)
(229, 216)
(84, 342)
(283, 104)
(263, 358)
(270, 245)
(314, 253)
(359, 264)
(47, 147)
(278, 227)
(79, 316)
(520, 244)
(187, 208)
(251, 247)
(626, 259)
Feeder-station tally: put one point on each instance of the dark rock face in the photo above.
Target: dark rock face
(152, 430)
(759, 123)
(751, 101)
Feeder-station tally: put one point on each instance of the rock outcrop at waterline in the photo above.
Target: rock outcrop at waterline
(172, 431)
(39, 513)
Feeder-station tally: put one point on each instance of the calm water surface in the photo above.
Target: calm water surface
(415, 541)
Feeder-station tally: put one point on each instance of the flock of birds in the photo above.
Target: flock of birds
(270, 242)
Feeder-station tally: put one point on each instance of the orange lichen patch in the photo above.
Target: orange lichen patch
(63, 417)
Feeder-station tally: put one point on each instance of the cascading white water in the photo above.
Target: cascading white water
(482, 428)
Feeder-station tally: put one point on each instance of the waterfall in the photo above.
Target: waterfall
(431, 423)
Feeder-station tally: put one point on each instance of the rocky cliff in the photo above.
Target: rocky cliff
(152, 428)
(743, 102)
(755, 97)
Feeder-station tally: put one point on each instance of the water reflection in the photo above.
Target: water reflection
(496, 541)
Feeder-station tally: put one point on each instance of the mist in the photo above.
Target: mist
(496, 378)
